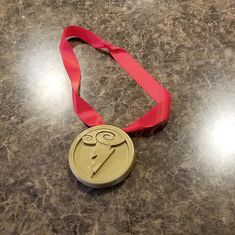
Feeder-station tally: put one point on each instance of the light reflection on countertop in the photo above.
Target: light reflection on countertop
(222, 134)
(216, 139)
(48, 87)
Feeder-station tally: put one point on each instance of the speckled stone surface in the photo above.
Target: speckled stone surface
(183, 181)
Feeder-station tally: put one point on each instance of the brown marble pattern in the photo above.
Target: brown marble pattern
(183, 181)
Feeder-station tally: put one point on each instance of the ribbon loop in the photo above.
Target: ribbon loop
(159, 113)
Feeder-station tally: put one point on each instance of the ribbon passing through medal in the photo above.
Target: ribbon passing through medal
(103, 155)
(159, 113)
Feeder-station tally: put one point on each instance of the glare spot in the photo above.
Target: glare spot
(222, 134)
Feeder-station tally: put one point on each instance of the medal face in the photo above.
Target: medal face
(101, 156)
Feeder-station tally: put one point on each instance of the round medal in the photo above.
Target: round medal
(104, 155)
(101, 156)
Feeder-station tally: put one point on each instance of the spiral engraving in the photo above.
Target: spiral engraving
(109, 138)
(89, 139)
(104, 137)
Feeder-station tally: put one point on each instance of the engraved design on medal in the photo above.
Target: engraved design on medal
(104, 144)
(101, 156)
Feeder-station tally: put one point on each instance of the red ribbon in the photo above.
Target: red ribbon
(159, 113)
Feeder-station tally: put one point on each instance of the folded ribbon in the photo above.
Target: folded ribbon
(159, 113)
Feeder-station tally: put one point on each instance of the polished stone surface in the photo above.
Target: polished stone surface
(183, 181)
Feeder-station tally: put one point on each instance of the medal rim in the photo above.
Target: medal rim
(112, 180)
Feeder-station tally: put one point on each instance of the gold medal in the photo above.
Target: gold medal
(101, 156)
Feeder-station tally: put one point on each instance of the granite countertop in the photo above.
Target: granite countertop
(183, 181)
